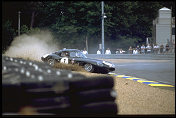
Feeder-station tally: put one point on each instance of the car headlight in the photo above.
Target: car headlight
(44, 56)
(109, 64)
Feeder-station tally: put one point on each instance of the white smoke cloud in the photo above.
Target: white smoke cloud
(32, 46)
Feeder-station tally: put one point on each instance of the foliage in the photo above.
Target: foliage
(127, 22)
(24, 29)
(8, 33)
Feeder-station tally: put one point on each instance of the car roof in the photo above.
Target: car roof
(70, 50)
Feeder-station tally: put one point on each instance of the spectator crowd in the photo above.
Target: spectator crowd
(152, 49)
(169, 48)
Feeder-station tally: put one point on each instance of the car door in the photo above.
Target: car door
(65, 57)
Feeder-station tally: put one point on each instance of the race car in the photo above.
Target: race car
(75, 56)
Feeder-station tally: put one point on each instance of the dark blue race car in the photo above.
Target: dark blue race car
(75, 56)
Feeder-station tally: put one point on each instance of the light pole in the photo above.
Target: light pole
(19, 23)
(102, 17)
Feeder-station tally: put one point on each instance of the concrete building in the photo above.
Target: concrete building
(164, 27)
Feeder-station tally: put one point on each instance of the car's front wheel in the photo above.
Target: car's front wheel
(89, 67)
(51, 62)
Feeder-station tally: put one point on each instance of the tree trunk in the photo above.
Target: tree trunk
(32, 19)
(86, 44)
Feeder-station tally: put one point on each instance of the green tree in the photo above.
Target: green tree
(73, 22)
(8, 34)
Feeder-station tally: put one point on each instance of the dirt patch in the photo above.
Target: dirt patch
(135, 98)
(70, 67)
(88, 74)
(138, 98)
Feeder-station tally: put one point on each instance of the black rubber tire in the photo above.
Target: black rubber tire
(60, 101)
(24, 87)
(13, 98)
(76, 82)
(107, 108)
(91, 83)
(51, 62)
(89, 67)
(56, 110)
(18, 83)
(97, 95)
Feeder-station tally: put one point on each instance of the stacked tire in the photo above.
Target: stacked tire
(53, 91)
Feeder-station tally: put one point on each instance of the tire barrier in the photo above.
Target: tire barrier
(54, 91)
(108, 108)
(96, 95)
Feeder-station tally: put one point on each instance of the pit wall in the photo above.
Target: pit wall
(133, 56)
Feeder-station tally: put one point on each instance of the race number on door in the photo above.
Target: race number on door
(64, 60)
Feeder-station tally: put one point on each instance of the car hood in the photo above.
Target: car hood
(100, 62)
(93, 60)
(90, 60)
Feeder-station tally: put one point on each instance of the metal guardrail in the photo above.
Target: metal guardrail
(133, 56)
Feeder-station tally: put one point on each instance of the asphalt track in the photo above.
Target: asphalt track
(163, 72)
(156, 71)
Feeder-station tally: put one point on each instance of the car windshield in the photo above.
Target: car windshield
(77, 54)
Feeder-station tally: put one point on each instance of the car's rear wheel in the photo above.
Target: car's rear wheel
(89, 67)
(51, 62)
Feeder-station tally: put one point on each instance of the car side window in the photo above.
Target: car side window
(64, 54)
(58, 53)
(72, 54)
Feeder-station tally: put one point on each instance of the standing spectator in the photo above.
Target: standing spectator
(149, 48)
(121, 51)
(156, 49)
(171, 46)
(167, 48)
(85, 51)
(130, 50)
(143, 49)
(161, 49)
(108, 51)
(135, 51)
(138, 49)
(117, 51)
(98, 51)
(152, 51)
(173, 43)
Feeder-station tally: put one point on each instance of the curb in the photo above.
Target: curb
(144, 81)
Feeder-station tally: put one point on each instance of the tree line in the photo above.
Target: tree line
(128, 23)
